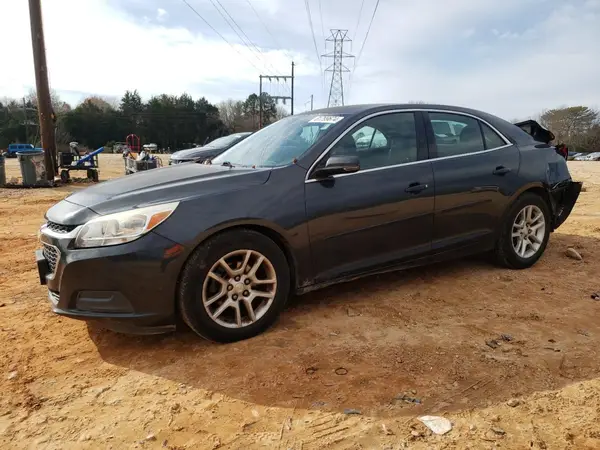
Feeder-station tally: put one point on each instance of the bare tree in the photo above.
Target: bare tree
(570, 124)
(281, 112)
(578, 127)
(231, 113)
(99, 102)
(55, 99)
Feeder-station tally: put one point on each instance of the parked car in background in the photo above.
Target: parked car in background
(209, 151)
(13, 149)
(296, 207)
(594, 156)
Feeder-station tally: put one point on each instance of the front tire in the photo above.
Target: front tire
(525, 232)
(234, 286)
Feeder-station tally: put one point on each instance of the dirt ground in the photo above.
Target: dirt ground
(349, 367)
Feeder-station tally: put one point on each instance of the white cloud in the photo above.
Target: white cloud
(103, 51)
(513, 74)
(484, 54)
(161, 14)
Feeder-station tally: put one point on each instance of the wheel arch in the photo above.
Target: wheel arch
(538, 189)
(264, 228)
(542, 191)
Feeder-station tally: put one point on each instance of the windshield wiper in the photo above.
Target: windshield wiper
(227, 164)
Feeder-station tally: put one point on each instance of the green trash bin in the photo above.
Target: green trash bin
(2, 171)
(33, 168)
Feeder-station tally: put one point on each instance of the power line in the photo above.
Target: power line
(312, 30)
(268, 31)
(363, 44)
(366, 35)
(358, 20)
(324, 39)
(238, 34)
(321, 15)
(219, 34)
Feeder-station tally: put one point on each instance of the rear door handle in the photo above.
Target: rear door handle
(501, 170)
(415, 188)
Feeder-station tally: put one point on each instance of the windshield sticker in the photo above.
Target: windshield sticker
(326, 119)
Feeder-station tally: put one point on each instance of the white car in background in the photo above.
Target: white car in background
(595, 156)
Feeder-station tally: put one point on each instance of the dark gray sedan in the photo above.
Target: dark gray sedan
(298, 206)
(209, 151)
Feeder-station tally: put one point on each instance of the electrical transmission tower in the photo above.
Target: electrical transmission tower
(337, 69)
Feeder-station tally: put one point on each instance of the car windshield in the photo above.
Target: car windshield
(279, 143)
(224, 141)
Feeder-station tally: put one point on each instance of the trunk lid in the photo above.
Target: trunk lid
(543, 135)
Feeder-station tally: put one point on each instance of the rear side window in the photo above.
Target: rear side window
(456, 134)
(491, 138)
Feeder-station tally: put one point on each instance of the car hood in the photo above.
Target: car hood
(194, 153)
(168, 184)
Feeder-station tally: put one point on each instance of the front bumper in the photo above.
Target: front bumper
(128, 288)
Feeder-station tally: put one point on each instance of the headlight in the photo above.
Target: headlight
(123, 227)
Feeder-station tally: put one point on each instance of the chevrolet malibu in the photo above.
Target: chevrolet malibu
(298, 206)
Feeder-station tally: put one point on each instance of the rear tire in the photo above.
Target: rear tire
(245, 300)
(525, 232)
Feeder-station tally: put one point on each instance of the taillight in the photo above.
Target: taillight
(562, 150)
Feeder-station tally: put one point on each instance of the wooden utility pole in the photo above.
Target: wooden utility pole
(292, 113)
(45, 112)
(260, 77)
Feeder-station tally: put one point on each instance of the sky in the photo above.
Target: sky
(513, 58)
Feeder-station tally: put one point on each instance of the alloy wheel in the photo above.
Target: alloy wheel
(239, 288)
(528, 231)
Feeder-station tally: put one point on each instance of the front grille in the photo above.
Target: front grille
(52, 255)
(58, 228)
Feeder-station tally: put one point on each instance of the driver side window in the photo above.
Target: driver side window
(385, 140)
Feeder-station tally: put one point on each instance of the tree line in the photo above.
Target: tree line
(578, 127)
(172, 122)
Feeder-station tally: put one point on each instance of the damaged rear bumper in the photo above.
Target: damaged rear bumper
(564, 195)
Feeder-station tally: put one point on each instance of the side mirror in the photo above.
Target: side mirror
(336, 165)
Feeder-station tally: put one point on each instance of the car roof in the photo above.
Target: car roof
(512, 132)
(375, 107)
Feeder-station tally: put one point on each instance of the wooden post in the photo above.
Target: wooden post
(45, 112)
(260, 77)
(292, 113)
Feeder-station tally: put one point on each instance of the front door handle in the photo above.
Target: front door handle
(501, 170)
(415, 188)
